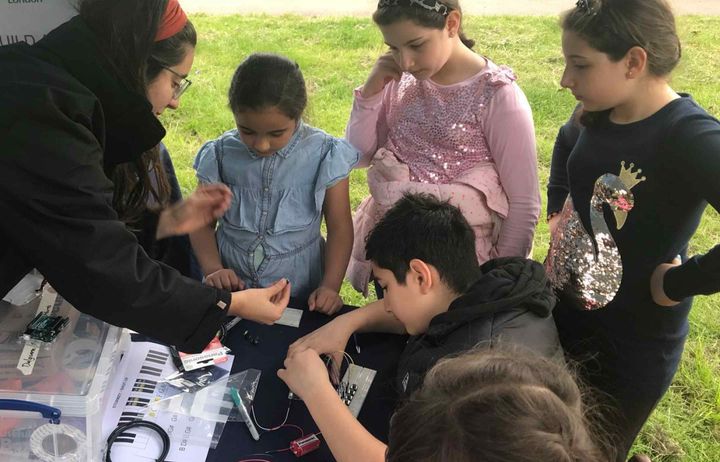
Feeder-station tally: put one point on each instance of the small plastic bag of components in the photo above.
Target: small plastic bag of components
(45, 327)
(244, 388)
(195, 380)
(213, 402)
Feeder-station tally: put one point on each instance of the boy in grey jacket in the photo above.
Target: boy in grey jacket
(423, 257)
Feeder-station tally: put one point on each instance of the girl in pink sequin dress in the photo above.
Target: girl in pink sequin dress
(436, 117)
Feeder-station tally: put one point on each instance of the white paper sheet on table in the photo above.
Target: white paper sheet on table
(137, 384)
(290, 317)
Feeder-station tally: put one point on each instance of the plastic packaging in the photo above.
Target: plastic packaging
(213, 402)
(70, 375)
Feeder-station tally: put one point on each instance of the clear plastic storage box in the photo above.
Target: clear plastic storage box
(39, 380)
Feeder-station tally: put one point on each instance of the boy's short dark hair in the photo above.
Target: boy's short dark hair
(424, 227)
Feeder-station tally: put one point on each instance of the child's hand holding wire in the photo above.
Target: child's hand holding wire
(306, 374)
(330, 339)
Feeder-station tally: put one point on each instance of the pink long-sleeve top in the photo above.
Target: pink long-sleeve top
(472, 143)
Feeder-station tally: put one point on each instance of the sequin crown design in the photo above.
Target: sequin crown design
(430, 5)
(630, 179)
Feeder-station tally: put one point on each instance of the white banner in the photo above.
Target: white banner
(28, 20)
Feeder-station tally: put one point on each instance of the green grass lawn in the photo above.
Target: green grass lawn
(336, 55)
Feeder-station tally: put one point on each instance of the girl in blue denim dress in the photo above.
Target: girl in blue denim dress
(285, 176)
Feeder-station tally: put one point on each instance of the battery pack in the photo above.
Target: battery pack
(302, 446)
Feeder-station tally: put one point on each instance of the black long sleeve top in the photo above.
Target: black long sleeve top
(64, 118)
(678, 150)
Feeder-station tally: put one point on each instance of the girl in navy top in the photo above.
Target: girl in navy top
(632, 173)
(284, 176)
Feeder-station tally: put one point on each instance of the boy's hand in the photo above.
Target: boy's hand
(325, 300)
(225, 279)
(304, 373)
(384, 70)
(330, 339)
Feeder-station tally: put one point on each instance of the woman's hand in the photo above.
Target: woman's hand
(384, 70)
(304, 373)
(225, 279)
(261, 305)
(325, 300)
(657, 288)
(205, 205)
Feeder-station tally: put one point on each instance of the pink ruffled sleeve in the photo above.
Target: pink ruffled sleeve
(510, 135)
(367, 128)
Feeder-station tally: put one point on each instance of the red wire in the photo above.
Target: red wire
(275, 451)
(302, 432)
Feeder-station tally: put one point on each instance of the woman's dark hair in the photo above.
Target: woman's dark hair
(615, 26)
(125, 31)
(266, 80)
(386, 15)
(494, 404)
(171, 51)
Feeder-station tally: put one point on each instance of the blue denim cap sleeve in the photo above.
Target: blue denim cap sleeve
(205, 165)
(340, 158)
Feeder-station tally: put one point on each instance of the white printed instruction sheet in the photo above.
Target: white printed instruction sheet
(137, 384)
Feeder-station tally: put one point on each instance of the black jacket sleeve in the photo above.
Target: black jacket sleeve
(55, 204)
(698, 139)
(558, 187)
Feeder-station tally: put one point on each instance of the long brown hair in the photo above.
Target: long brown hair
(494, 405)
(126, 32)
(387, 15)
(615, 26)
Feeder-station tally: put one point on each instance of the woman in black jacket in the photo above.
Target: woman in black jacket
(78, 149)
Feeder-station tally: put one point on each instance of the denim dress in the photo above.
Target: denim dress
(272, 229)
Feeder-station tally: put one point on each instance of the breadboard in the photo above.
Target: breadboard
(354, 387)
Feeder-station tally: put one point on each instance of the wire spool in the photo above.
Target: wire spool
(58, 443)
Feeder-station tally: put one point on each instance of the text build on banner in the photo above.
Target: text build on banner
(28, 20)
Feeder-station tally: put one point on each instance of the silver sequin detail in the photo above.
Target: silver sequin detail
(585, 270)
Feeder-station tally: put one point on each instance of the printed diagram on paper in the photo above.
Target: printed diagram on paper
(137, 384)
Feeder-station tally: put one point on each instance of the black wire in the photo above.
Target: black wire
(139, 423)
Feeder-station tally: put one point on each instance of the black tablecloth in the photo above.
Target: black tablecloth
(377, 351)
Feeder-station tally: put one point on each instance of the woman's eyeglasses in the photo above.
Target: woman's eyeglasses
(182, 86)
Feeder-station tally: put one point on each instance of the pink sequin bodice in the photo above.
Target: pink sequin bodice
(438, 130)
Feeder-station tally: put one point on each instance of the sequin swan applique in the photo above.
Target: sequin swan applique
(587, 270)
